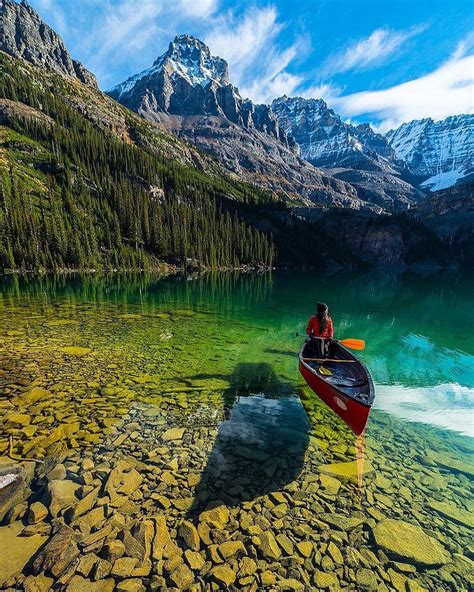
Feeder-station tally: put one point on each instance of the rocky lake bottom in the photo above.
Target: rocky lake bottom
(156, 436)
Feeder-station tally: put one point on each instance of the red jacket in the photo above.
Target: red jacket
(313, 328)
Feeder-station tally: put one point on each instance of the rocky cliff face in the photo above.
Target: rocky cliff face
(355, 154)
(24, 35)
(439, 153)
(187, 81)
(325, 140)
(187, 91)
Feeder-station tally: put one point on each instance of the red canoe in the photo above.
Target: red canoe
(345, 386)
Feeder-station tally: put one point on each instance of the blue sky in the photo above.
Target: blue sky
(383, 61)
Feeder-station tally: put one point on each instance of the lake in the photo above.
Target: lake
(160, 436)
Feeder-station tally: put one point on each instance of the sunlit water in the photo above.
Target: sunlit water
(216, 356)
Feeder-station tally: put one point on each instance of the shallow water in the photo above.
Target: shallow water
(95, 371)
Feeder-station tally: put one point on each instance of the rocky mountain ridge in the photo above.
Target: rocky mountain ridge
(188, 81)
(187, 91)
(355, 154)
(23, 34)
(439, 153)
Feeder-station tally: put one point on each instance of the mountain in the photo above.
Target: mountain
(325, 140)
(187, 91)
(438, 153)
(24, 35)
(355, 154)
(85, 183)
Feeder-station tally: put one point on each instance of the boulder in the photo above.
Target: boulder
(16, 551)
(62, 495)
(407, 542)
(453, 513)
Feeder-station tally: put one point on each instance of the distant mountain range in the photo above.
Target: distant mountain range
(187, 91)
(263, 173)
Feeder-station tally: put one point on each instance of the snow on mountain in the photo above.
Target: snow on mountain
(187, 58)
(440, 153)
(325, 140)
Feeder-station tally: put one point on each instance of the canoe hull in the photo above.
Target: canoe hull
(354, 412)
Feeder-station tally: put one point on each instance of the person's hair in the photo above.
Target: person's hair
(323, 316)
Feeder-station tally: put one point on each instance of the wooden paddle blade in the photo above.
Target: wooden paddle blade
(353, 343)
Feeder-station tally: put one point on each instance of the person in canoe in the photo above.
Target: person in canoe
(320, 330)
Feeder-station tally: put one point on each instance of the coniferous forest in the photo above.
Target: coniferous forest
(75, 195)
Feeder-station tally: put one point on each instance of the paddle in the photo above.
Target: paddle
(350, 342)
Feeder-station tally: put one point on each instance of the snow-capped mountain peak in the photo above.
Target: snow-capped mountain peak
(324, 139)
(441, 152)
(187, 58)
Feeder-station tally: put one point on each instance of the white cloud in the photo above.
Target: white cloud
(121, 28)
(251, 47)
(378, 47)
(446, 91)
(198, 8)
(327, 91)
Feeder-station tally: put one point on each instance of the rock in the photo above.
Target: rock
(80, 584)
(366, 579)
(130, 585)
(285, 543)
(123, 567)
(194, 559)
(62, 495)
(173, 434)
(340, 522)
(39, 583)
(215, 513)
(412, 586)
(330, 485)
(32, 396)
(37, 513)
(102, 569)
(224, 575)
(58, 552)
(86, 563)
(72, 350)
(305, 548)
(409, 543)
(453, 513)
(14, 488)
(325, 580)
(187, 531)
(247, 567)
(290, 584)
(347, 471)
(455, 465)
(231, 548)
(85, 504)
(16, 420)
(335, 553)
(16, 551)
(182, 577)
(163, 545)
(268, 578)
(268, 545)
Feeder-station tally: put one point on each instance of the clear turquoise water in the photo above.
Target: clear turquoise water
(220, 351)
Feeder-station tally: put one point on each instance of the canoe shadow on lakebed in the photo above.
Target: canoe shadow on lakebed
(261, 445)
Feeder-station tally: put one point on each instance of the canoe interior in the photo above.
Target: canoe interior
(351, 378)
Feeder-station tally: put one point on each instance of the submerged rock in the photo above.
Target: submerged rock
(72, 350)
(408, 542)
(16, 551)
(453, 513)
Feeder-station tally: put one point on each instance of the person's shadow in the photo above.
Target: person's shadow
(261, 445)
